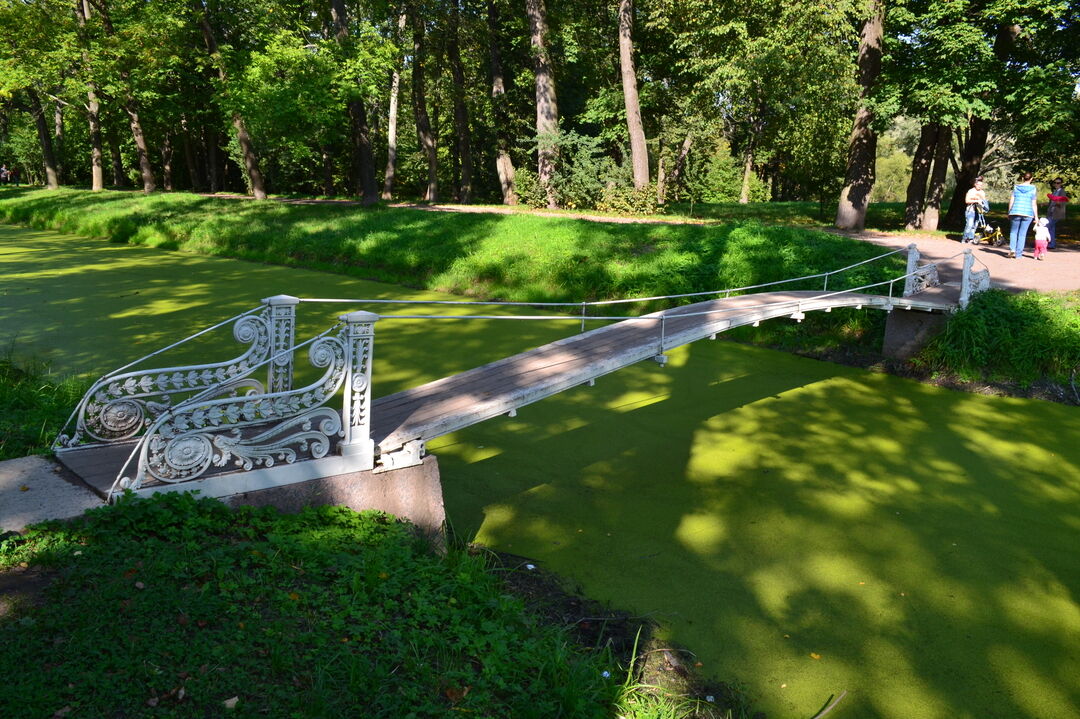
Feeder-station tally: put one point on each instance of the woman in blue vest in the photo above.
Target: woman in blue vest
(1023, 210)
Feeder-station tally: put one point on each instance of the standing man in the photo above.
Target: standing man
(974, 200)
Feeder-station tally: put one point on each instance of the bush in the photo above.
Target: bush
(33, 406)
(630, 201)
(1000, 335)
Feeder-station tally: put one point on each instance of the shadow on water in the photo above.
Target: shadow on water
(806, 528)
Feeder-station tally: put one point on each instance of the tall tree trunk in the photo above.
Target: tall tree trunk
(52, 178)
(328, 171)
(363, 156)
(920, 172)
(58, 141)
(146, 170)
(423, 122)
(661, 170)
(213, 161)
(247, 147)
(943, 149)
(392, 122)
(504, 164)
(862, 144)
(119, 178)
(93, 106)
(194, 178)
(971, 154)
(748, 170)
(461, 111)
(547, 107)
(639, 155)
(166, 162)
(97, 155)
(680, 162)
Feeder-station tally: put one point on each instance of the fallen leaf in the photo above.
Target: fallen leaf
(182, 620)
(698, 664)
(24, 488)
(231, 703)
(815, 655)
(152, 702)
(294, 596)
(62, 712)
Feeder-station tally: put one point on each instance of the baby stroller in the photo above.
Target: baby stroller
(985, 233)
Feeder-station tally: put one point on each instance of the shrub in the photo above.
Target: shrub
(33, 406)
(1001, 335)
(630, 201)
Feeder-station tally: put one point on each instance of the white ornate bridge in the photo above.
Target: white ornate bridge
(241, 425)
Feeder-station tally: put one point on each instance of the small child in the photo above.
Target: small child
(1042, 238)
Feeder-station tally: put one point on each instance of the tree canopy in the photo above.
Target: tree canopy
(556, 103)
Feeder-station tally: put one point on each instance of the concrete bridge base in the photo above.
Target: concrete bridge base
(908, 331)
(413, 493)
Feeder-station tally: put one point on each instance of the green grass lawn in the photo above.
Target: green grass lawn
(805, 528)
(174, 607)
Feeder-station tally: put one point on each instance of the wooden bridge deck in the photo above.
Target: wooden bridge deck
(455, 402)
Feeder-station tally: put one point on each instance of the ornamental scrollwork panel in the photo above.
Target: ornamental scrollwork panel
(121, 406)
(185, 442)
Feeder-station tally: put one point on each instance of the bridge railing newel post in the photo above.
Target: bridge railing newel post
(912, 265)
(279, 374)
(965, 281)
(356, 405)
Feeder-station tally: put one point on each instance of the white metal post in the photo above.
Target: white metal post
(912, 265)
(282, 337)
(356, 410)
(965, 282)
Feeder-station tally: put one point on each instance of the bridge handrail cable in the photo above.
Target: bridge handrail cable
(597, 303)
(660, 317)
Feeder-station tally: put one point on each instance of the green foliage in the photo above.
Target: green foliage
(630, 201)
(716, 176)
(1023, 337)
(33, 406)
(529, 190)
(320, 614)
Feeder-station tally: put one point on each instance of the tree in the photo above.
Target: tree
(638, 153)
(547, 107)
(247, 147)
(423, 121)
(862, 145)
(504, 163)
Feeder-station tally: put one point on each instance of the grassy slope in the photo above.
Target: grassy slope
(742, 472)
(516, 257)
